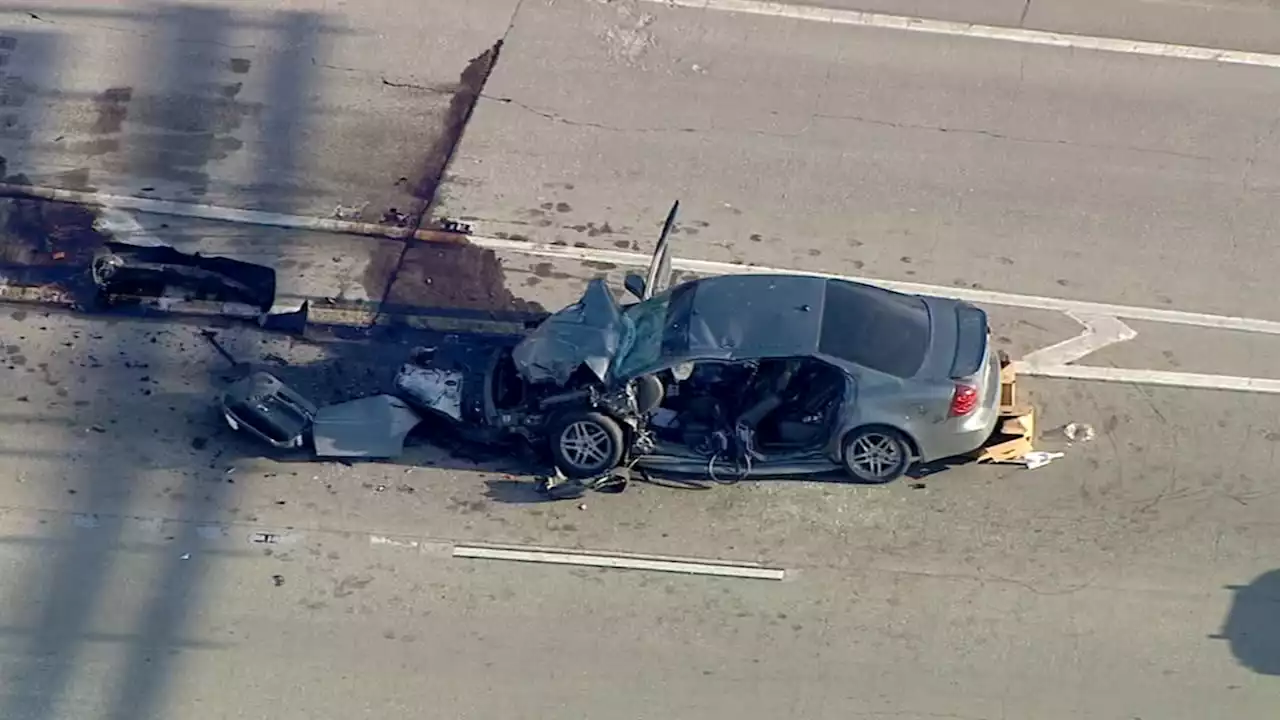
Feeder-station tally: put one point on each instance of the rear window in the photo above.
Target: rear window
(881, 330)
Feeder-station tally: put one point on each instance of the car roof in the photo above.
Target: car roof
(775, 315)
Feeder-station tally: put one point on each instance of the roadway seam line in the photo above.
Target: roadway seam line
(1025, 36)
(346, 227)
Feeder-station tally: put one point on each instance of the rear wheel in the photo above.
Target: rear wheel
(876, 455)
(586, 444)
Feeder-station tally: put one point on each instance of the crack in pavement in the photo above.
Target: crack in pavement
(992, 134)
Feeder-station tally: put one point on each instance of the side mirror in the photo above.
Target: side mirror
(634, 285)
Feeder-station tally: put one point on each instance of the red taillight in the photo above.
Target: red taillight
(964, 400)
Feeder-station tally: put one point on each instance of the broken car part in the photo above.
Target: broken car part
(271, 411)
(434, 388)
(370, 427)
(587, 332)
(135, 271)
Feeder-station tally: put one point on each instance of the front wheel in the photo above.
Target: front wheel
(876, 455)
(586, 445)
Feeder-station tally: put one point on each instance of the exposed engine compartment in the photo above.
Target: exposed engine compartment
(522, 406)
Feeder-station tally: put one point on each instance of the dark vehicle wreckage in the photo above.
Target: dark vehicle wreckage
(728, 377)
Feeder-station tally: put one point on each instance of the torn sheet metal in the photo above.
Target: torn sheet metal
(370, 427)
(587, 332)
(433, 388)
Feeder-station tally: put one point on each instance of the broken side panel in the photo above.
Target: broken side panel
(371, 427)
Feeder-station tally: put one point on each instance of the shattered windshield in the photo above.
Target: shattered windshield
(655, 328)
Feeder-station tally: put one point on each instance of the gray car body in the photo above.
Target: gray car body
(755, 317)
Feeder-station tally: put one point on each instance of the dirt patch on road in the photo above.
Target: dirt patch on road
(48, 245)
(435, 161)
(452, 276)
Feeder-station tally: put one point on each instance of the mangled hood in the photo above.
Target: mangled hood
(587, 332)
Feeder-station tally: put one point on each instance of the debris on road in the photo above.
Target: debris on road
(124, 272)
(557, 486)
(271, 411)
(1078, 432)
(371, 427)
(1015, 432)
(1039, 459)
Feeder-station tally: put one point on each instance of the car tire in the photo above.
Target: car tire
(876, 455)
(586, 444)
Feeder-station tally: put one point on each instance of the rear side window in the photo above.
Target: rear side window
(885, 331)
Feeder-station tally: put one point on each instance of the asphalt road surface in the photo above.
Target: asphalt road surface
(154, 566)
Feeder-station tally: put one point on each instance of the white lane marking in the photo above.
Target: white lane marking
(394, 542)
(204, 212)
(625, 562)
(1074, 307)
(985, 297)
(617, 257)
(1099, 332)
(985, 32)
(1159, 377)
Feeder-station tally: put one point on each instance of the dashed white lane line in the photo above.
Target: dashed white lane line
(619, 561)
(859, 18)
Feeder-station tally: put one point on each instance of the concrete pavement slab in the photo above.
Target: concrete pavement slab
(1121, 174)
(230, 629)
(300, 108)
(143, 394)
(134, 516)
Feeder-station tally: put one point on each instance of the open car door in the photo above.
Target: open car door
(659, 276)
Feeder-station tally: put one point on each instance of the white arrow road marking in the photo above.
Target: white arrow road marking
(1099, 332)
(1102, 331)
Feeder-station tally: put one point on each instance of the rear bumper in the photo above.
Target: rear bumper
(966, 434)
(967, 437)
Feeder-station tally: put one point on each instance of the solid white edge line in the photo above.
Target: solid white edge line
(1099, 332)
(617, 562)
(197, 211)
(988, 297)
(1025, 36)
(1196, 381)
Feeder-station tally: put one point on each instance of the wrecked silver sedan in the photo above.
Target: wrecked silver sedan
(726, 377)
(731, 376)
